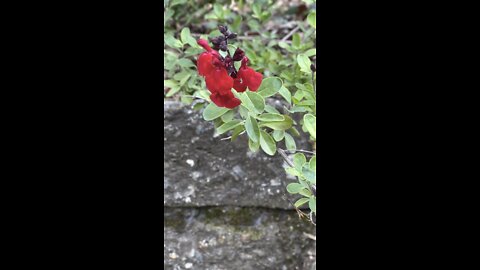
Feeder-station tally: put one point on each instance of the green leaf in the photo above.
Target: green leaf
(202, 94)
(217, 123)
(313, 163)
(185, 63)
(243, 112)
(311, 52)
(278, 135)
(169, 83)
(290, 142)
(271, 117)
(294, 188)
(306, 103)
(193, 51)
(296, 40)
(198, 106)
(187, 99)
(177, 2)
(283, 45)
(310, 123)
(172, 42)
(294, 132)
(285, 93)
(173, 91)
(298, 160)
(253, 146)
(252, 101)
(237, 131)
(182, 74)
(310, 175)
(312, 203)
(252, 129)
(184, 79)
(236, 23)
(228, 126)
(305, 192)
(228, 116)
(292, 171)
(278, 125)
(218, 10)
(257, 10)
(270, 86)
(187, 38)
(297, 109)
(267, 143)
(304, 63)
(257, 100)
(232, 49)
(271, 109)
(301, 202)
(312, 19)
(212, 112)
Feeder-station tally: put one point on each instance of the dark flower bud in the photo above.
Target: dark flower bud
(238, 55)
(217, 40)
(232, 36)
(223, 29)
(223, 46)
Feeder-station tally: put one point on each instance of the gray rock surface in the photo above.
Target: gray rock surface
(201, 170)
(234, 238)
(224, 207)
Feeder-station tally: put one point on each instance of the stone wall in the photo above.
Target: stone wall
(225, 207)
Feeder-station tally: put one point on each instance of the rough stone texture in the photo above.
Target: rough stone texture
(201, 170)
(226, 208)
(233, 238)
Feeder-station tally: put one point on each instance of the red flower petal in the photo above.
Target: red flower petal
(204, 44)
(239, 85)
(250, 78)
(228, 100)
(219, 81)
(205, 64)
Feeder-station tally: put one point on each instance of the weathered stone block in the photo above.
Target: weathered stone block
(201, 170)
(227, 238)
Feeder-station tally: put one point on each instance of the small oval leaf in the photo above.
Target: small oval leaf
(310, 123)
(253, 131)
(312, 19)
(279, 125)
(290, 142)
(298, 160)
(212, 112)
(267, 143)
(304, 63)
(294, 188)
(313, 163)
(312, 203)
(270, 86)
(301, 202)
(278, 135)
(271, 117)
(254, 146)
(228, 126)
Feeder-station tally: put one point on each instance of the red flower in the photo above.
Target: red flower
(247, 77)
(228, 100)
(216, 71)
(218, 81)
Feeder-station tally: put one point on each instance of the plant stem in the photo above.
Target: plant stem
(282, 153)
